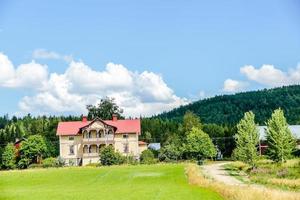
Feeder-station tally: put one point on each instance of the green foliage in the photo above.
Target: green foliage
(35, 165)
(108, 156)
(130, 160)
(104, 110)
(199, 145)
(32, 150)
(160, 129)
(247, 139)
(50, 162)
(229, 109)
(147, 157)
(9, 156)
(281, 142)
(170, 152)
(190, 120)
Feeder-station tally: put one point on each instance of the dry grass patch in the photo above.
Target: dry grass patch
(195, 177)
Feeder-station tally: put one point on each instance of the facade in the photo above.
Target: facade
(81, 141)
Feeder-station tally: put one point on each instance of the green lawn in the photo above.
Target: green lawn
(140, 182)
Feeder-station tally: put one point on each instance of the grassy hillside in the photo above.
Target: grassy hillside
(105, 183)
(229, 109)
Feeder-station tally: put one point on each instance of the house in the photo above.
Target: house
(81, 141)
(295, 129)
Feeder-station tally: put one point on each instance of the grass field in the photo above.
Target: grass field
(283, 176)
(141, 182)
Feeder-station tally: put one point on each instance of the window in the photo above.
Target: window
(125, 136)
(71, 138)
(126, 148)
(71, 150)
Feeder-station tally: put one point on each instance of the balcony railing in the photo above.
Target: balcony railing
(99, 139)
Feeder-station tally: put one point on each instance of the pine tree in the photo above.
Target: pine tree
(280, 140)
(247, 139)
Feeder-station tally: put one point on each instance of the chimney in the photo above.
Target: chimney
(114, 117)
(84, 118)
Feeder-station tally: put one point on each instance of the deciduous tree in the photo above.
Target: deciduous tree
(9, 156)
(199, 145)
(247, 139)
(281, 142)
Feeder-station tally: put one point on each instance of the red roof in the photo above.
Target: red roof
(123, 126)
(142, 143)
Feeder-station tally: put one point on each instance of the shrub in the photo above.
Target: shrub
(60, 161)
(131, 160)
(170, 152)
(147, 157)
(108, 156)
(50, 162)
(23, 163)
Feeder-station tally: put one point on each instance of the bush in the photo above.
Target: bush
(108, 156)
(147, 157)
(170, 152)
(60, 161)
(131, 160)
(23, 163)
(50, 162)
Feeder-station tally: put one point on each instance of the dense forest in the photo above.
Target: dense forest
(229, 109)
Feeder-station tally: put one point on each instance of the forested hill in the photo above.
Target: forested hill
(229, 109)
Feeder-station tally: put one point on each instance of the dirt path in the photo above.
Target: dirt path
(217, 172)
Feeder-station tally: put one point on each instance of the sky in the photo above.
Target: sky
(151, 56)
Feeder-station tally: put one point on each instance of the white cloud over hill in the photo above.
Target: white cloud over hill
(266, 75)
(138, 94)
(233, 85)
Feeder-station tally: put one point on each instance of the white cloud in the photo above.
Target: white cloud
(269, 75)
(30, 75)
(233, 85)
(138, 94)
(50, 55)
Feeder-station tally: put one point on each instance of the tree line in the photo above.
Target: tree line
(188, 138)
(229, 109)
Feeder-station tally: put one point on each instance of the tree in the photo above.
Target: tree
(105, 109)
(9, 156)
(147, 157)
(199, 145)
(247, 139)
(147, 136)
(280, 140)
(191, 120)
(170, 152)
(32, 150)
(108, 156)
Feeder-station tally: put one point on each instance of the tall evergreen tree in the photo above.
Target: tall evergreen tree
(247, 139)
(281, 142)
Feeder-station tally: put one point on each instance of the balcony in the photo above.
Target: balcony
(107, 138)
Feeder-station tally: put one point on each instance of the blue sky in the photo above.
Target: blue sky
(186, 50)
